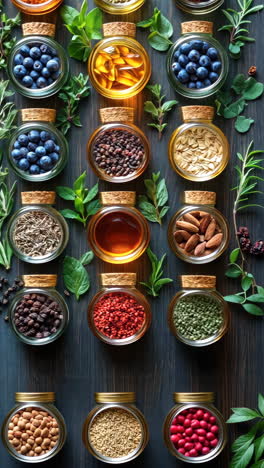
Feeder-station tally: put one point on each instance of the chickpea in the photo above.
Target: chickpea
(26, 415)
(24, 449)
(38, 450)
(25, 436)
(37, 432)
(39, 440)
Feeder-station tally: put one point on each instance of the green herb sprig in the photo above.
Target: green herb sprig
(252, 295)
(6, 205)
(7, 25)
(8, 111)
(84, 200)
(155, 282)
(248, 449)
(75, 276)
(160, 29)
(158, 109)
(247, 89)
(84, 27)
(72, 93)
(153, 205)
(237, 26)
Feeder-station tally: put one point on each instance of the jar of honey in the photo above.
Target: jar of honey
(119, 314)
(118, 232)
(118, 66)
(118, 151)
(37, 7)
(119, 7)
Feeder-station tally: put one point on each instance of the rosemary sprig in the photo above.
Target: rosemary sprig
(158, 109)
(236, 26)
(6, 40)
(155, 282)
(8, 111)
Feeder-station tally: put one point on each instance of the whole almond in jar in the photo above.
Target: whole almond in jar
(198, 232)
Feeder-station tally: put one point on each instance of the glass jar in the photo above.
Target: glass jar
(121, 410)
(30, 408)
(200, 7)
(112, 299)
(119, 7)
(198, 233)
(118, 66)
(36, 49)
(198, 150)
(48, 320)
(199, 407)
(204, 58)
(118, 232)
(37, 243)
(197, 303)
(118, 132)
(37, 7)
(37, 132)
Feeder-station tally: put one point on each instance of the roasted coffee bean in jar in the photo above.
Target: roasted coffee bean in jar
(194, 430)
(198, 315)
(198, 150)
(37, 7)
(118, 233)
(34, 431)
(198, 232)
(37, 232)
(118, 151)
(119, 7)
(115, 431)
(119, 314)
(38, 314)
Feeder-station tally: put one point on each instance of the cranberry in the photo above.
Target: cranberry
(174, 430)
(209, 426)
(206, 416)
(189, 416)
(201, 439)
(198, 446)
(195, 424)
(189, 431)
(194, 438)
(212, 420)
(200, 414)
(203, 424)
(206, 443)
(210, 436)
(187, 423)
(214, 429)
(187, 454)
(187, 439)
(201, 432)
(180, 419)
(214, 443)
(180, 428)
(181, 442)
(174, 422)
(188, 446)
(193, 453)
(182, 451)
(174, 438)
(205, 450)
(184, 412)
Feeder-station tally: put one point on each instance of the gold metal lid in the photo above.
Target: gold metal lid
(118, 198)
(205, 27)
(116, 114)
(35, 115)
(118, 279)
(198, 281)
(40, 281)
(199, 197)
(123, 397)
(41, 29)
(197, 112)
(45, 397)
(205, 397)
(119, 28)
(41, 198)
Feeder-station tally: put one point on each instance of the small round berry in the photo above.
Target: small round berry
(24, 50)
(216, 66)
(199, 85)
(202, 73)
(183, 76)
(45, 163)
(34, 74)
(16, 154)
(213, 77)
(191, 67)
(196, 44)
(22, 139)
(35, 53)
(54, 157)
(34, 86)
(41, 82)
(193, 78)
(210, 436)
(182, 451)
(214, 443)
(177, 54)
(212, 53)
(207, 82)
(205, 450)
(204, 61)
(37, 66)
(173, 430)
(206, 416)
(183, 60)
(205, 47)
(44, 136)
(32, 157)
(193, 453)
(23, 164)
(45, 72)
(34, 169)
(45, 58)
(16, 145)
(18, 59)
(194, 55)
(34, 136)
(32, 146)
(40, 151)
(45, 49)
(53, 52)
(53, 65)
(49, 146)
(20, 71)
(55, 75)
(50, 81)
(28, 63)
(27, 81)
(57, 148)
(176, 68)
(23, 152)
(185, 48)
(214, 429)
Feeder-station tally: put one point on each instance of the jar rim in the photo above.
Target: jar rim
(121, 397)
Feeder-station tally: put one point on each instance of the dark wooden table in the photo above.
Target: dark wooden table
(78, 364)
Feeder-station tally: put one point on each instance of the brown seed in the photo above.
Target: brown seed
(199, 249)
(204, 223)
(181, 235)
(191, 219)
(187, 226)
(215, 241)
(210, 230)
(192, 242)
(196, 214)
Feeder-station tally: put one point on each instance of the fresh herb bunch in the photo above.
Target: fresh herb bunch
(155, 282)
(237, 26)
(6, 40)
(161, 30)
(248, 449)
(72, 93)
(8, 111)
(158, 109)
(248, 89)
(153, 205)
(252, 295)
(84, 200)
(6, 206)
(84, 27)
(75, 276)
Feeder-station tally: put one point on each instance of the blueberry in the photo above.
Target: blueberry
(57, 59)
(185, 48)
(34, 86)
(49, 146)
(50, 81)
(213, 77)
(37, 66)
(45, 72)
(41, 82)
(16, 145)
(191, 67)
(44, 136)
(23, 139)
(32, 157)
(24, 50)
(199, 85)
(20, 71)
(212, 53)
(207, 82)
(193, 78)
(45, 49)
(183, 60)
(204, 61)
(40, 151)
(28, 63)
(45, 162)
(216, 66)
(196, 44)
(45, 58)
(54, 157)
(183, 76)
(57, 148)
(194, 56)
(23, 164)
(205, 47)
(16, 154)
(53, 52)
(27, 81)
(177, 54)
(191, 85)
(34, 136)
(53, 65)
(176, 68)
(35, 52)
(202, 73)
(34, 169)
(23, 152)
(18, 59)
(34, 74)
(42, 171)
(32, 146)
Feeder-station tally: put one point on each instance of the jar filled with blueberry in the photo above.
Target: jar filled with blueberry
(197, 64)
(37, 150)
(38, 66)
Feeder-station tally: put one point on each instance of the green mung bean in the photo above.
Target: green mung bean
(197, 316)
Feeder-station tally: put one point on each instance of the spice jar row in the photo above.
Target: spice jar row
(115, 431)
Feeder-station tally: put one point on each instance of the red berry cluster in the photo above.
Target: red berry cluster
(257, 248)
(194, 432)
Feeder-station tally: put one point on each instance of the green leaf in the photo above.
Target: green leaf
(91, 194)
(94, 21)
(243, 124)
(86, 258)
(253, 90)
(156, 282)
(234, 109)
(246, 283)
(261, 403)
(244, 441)
(162, 193)
(155, 90)
(253, 309)
(234, 49)
(168, 105)
(80, 182)
(65, 192)
(235, 299)
(259, 447)
(92, 207)
(70, 214)
(150, 108)
(75, 277)
(234, 255)
(158, 42)
(148, 210)
(164, 26)
(242, 415)
(239, 83)
(256, 298)
(242, 458)
(259, 464)
(163, 211)
(145, 23)
(234, 271)
(68, 14)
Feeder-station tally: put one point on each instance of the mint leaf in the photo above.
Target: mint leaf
(242, 458)
(75, 277)
(235, 299)
(242, 415)
(66, 193)
(253, 309)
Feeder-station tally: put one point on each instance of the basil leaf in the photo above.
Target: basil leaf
(259, 464)
(235, 299)
(242, 124)
(253, 309)
(75, 277)
(145, 23)
(242, 414)
(244, 441)
(94, 19)
(86, 258)
(68, 13)
(70, 214)
(77, 49)
(241, 459)
(163, 211)
(65, 192)
(158, 42)
(91, 193)
(155, 281)
(259, 447)
(92, 207)
(155, 90)
(164, 26)
(261, 403)
(256, 298)
(148, 210)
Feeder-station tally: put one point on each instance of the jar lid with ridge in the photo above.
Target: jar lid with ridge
(198, 150)
(119, 7)
(118, 151)
(118, 66)
(199, 7)
(37, 7)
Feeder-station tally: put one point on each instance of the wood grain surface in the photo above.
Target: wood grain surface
(78, 364)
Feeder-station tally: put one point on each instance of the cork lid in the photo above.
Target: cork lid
(205, 27)
(122, 397)
(199, 197)
(198, 281)
(119, 28)
(201, 397)
(40, 198)
(40, 281)
(118, 198)
(197, 112)
(41, 29)
(35, 115)
(118, 279)
(117, 114)
(44, 397)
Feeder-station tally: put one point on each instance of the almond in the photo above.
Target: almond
(199, 249)
(215, 241)
(181, 235)
(191, 219)
(192, 242)
(187, 226)
(204, 223)
(203, 213)
(207, 252)
(196, 214)
(210, 230)
(202, 238)
(182, 245)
